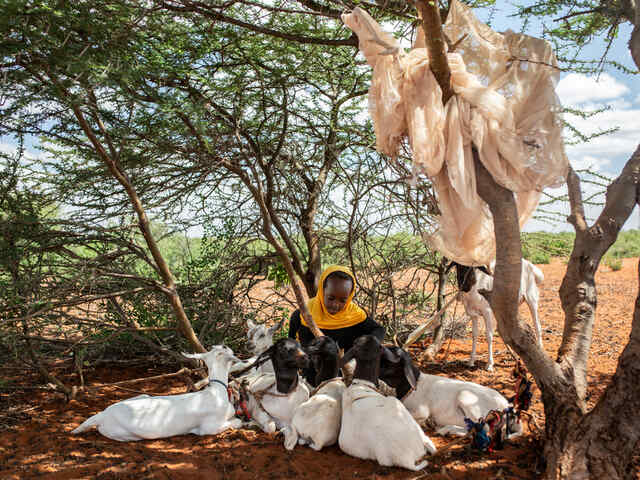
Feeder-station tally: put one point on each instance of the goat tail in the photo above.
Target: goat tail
(537, 273)
(88, 423)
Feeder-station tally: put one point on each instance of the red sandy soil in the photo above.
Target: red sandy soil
(35, 424)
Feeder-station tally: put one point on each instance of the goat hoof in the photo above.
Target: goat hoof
(489, 368)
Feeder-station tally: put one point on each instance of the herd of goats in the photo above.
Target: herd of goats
(319, 407)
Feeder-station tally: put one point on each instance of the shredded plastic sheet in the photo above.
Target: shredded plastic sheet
(505, 105)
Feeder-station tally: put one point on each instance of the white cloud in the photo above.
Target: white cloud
(576, 88)
(592, 163)
(621, 142)
(620, 104)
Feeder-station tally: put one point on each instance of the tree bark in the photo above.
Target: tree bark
(631, 11)
(434, 37)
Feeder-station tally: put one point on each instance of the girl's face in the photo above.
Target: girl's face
(336, 293)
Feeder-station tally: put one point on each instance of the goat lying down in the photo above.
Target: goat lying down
(273, 398)
(206, 412)
(473, 279)
(376, 427)
(316, 422)
(445, 401)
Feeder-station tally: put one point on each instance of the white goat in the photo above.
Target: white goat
(273, 398)
(316, 422)
(446, 401)
(259, 339)
(476, 305)
(377, 427)
(206, 412)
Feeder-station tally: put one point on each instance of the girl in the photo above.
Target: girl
(334, 312)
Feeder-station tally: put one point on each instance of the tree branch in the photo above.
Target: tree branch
(208, 12)
(577, 292)
(435, 40)
(575, 199)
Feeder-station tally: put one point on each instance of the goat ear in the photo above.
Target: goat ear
(446, 270)
(486, 270)
(347, 357)
(389, 355)
(250, 324)
(275, 328)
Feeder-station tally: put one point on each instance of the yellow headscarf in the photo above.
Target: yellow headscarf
(350, 315)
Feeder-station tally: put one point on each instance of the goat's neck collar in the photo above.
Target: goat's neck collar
(404, 389)
(219, 374)
(215, 380)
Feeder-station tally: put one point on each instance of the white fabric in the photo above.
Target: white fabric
(507, 108)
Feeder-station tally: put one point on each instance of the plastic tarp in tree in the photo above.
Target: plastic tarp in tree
(505, 105)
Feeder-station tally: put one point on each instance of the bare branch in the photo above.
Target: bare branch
(575, 198)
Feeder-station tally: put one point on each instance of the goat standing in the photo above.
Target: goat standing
(471, 280)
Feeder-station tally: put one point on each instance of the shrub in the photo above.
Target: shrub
(614, 264)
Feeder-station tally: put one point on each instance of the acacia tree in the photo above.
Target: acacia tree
(57, 81)
(578, 443)
(189, 112)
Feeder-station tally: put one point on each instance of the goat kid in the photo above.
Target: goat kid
(473, 279)
(206, 412)
(446, 401)
(316, 422)
(377, 427)
(273, 397)
(259, 340)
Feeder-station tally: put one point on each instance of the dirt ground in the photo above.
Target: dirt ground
(35, 424)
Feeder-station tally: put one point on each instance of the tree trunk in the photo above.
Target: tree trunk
(577, 445)
(603, 442)
(182, 321)
(438, 333)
